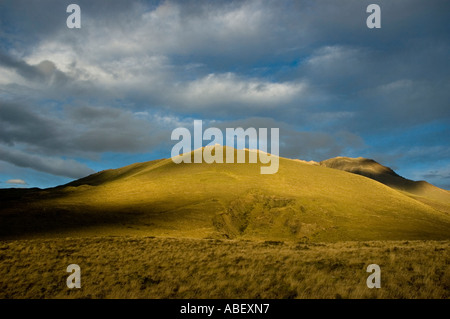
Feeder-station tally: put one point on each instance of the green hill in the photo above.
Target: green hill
(161, 198)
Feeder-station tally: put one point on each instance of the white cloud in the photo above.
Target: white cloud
(329, 55)
(8, 76)
(219, 89)
(16, 181)
(136, 57)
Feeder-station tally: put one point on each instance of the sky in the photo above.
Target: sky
(109, 94)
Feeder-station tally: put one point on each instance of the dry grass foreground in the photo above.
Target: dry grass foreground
(132, 267)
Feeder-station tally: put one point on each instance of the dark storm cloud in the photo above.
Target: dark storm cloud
(201, 57)
(106, 129)
(51, 165)
(386, 87)
(18, 124)
(136, 70)
(44, 72)
(21, 67)
(27, 23)
(295, 143)
(83, 131)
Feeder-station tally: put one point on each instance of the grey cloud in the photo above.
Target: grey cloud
(37, 138)
(313, 67)
(51, 165)
(80, 130)
(345, 78)
(295, 143)
(21, 67)
(382, 90)
(439, 177)
(405, 103)
(249, 30)
(437, 174)
(44, 71)
(19, 124)
(104, 129)
(319, 146)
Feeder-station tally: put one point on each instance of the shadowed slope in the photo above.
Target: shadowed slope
(420, 190)
(161, 198)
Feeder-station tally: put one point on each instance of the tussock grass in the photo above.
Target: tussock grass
(161, 198)
(149, 267)
(162, 230)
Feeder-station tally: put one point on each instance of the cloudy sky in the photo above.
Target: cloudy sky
(76, 101)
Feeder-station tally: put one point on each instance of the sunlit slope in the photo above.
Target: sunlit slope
(420, 190)
(162, 198)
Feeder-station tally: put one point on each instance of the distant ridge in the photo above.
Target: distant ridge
(374, 170)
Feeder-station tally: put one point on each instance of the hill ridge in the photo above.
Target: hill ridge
(199, 200)
(385, 175)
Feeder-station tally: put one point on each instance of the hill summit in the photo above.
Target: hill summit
(199, 200)
(376, 171)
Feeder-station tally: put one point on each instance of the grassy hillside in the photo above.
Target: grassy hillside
(161, 198)
(420, 190)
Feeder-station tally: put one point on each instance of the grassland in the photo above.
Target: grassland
(146, 267)
(161, 198)
(162, 230)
